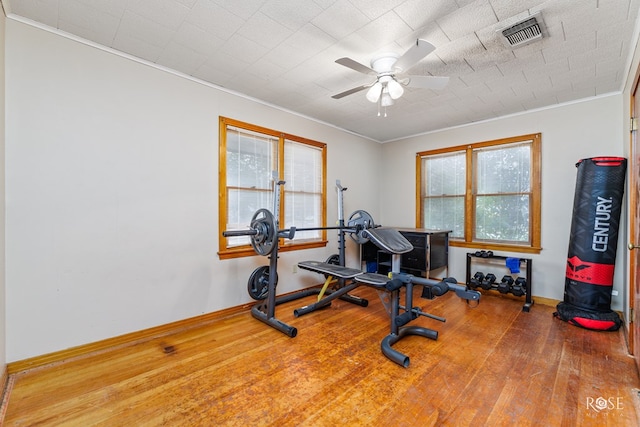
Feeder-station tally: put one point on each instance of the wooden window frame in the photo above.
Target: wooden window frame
(469, 226)
(226, 252)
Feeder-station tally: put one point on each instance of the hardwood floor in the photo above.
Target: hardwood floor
(491, 365)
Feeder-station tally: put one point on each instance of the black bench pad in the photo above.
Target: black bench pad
(389, 239)
(373, 279)
(330, 269)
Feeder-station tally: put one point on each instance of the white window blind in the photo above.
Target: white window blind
(303, 189)
(503, 190)
(444, 178)
(250, 159)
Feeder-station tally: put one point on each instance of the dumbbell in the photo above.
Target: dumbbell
(476, 280)
(483, 254)
(520, 287)
(505, 284)
(488, 281)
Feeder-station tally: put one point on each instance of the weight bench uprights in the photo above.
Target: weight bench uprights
(265, 235)
(392, 241)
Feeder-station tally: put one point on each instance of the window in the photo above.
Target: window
(248, 156)
(487, 194)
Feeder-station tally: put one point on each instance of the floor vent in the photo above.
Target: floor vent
(523, 32)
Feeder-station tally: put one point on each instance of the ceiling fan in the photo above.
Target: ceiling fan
(388, 69)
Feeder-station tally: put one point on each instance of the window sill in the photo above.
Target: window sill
(245, 251)
(495, 247)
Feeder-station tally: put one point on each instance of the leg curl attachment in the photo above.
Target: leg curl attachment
(439, 288)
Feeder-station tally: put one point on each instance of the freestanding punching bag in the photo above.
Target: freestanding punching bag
(593, 243)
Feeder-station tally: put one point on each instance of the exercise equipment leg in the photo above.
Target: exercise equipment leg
(398, 328)
(331, 270)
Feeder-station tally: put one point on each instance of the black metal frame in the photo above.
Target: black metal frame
(341, 290)
(528, 300)
(398, 330)
(398, 320)
(399, 315)
(265, 310)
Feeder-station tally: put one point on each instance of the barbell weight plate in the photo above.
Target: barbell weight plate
(360, 220)
(333, 260)
(258, 284)
(266, 237)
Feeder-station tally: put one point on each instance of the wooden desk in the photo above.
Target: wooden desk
(430, 252)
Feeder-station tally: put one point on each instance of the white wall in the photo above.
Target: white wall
(111, 191)
(569, 133)
(112, 188)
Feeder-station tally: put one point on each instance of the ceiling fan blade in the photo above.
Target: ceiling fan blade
(415, 53)
(427, 82)
(350, 91)
(355, 65)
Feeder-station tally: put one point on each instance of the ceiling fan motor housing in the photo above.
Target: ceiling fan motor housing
(384, 62)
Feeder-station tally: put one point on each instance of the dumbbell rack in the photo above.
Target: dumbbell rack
(471, 256)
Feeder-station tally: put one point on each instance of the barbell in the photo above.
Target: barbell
(264, 233)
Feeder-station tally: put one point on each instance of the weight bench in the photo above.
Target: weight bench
(394, 242)
(331, 271)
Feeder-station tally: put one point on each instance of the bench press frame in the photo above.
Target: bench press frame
(265, 310)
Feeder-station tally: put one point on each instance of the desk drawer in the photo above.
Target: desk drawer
(417, 240)
(416, 260)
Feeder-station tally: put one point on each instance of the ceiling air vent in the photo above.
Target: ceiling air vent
(523, 32)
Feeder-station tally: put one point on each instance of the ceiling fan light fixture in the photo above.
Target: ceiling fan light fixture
(386, 99)
(395, 89)
(373, 94)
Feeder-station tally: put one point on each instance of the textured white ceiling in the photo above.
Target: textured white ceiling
(283, 51)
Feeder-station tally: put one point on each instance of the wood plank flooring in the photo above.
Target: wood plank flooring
(491, 365)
